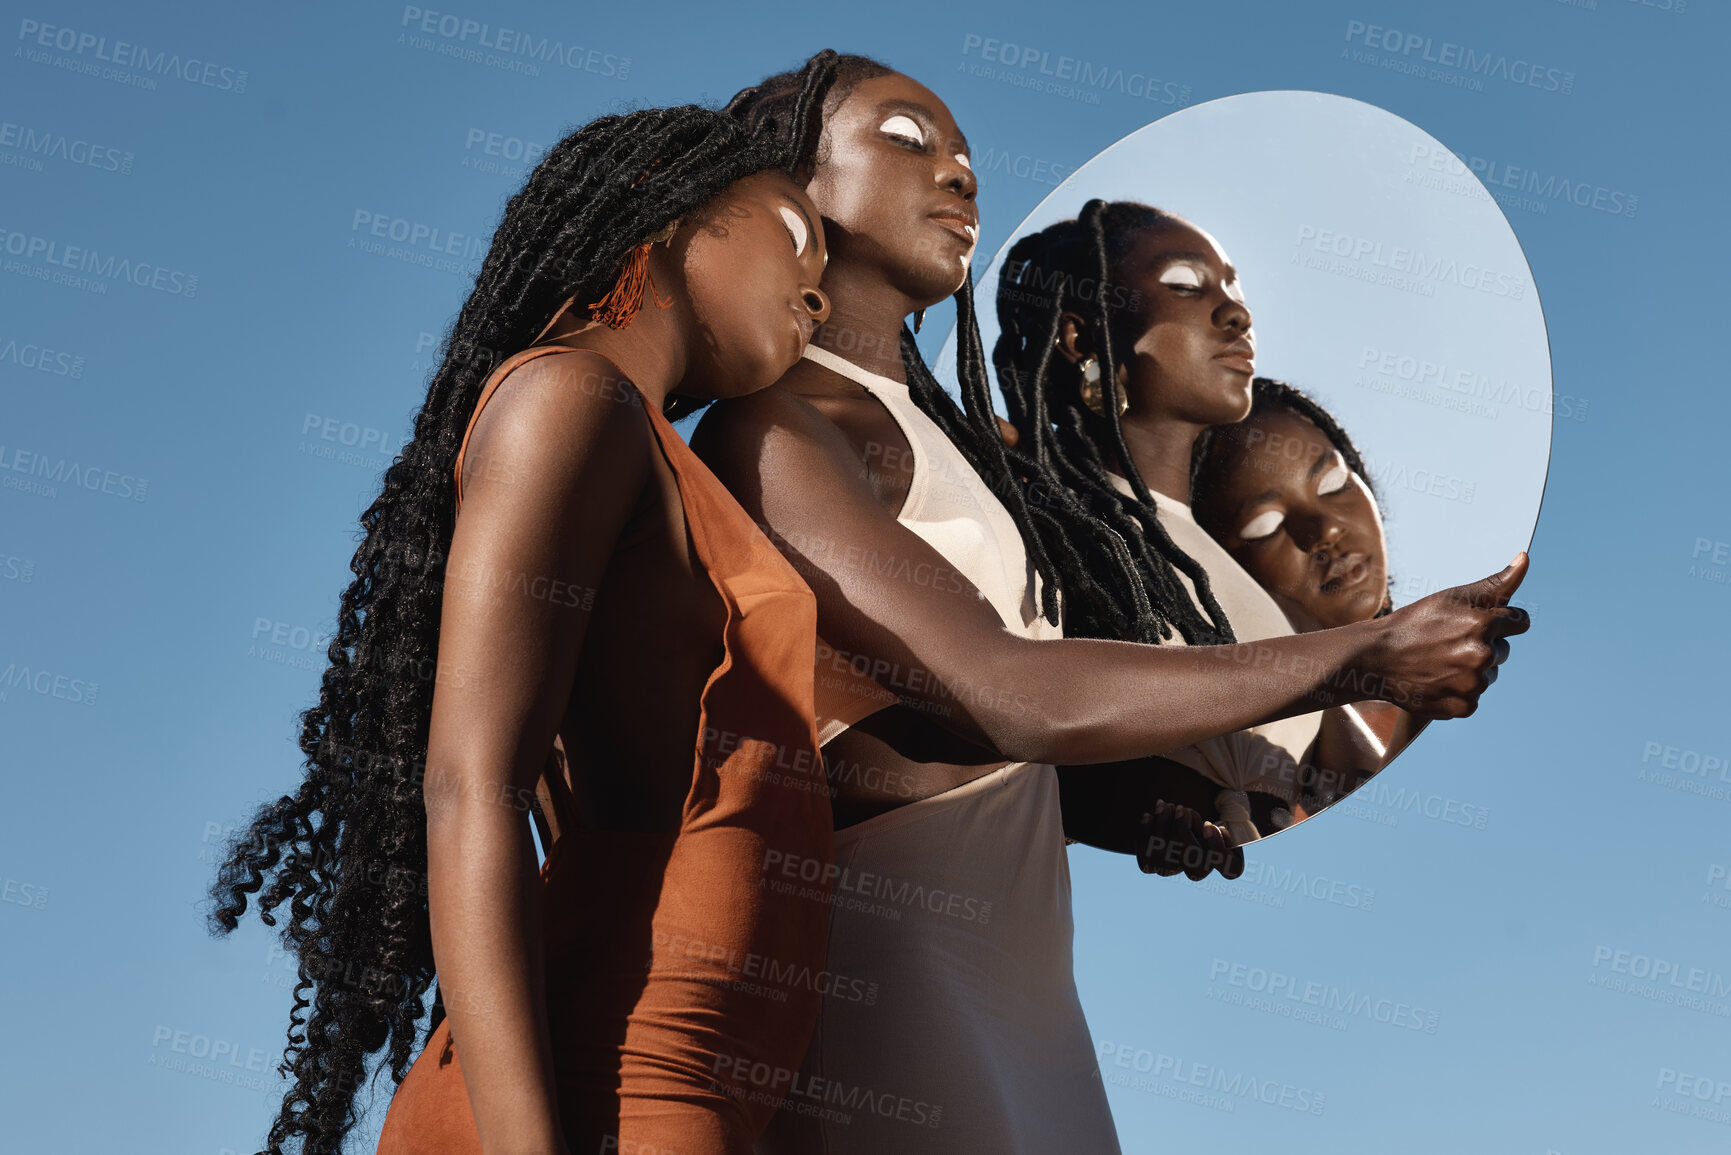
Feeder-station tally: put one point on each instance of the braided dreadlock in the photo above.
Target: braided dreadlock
(1067, 268)
(1269, 395)
(1084, 562)
(347, 851)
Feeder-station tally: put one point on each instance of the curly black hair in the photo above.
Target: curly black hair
(347, 850)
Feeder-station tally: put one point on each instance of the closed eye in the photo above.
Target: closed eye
(1262, 525)
(1181, 277)
(1333, 481)
(795, 229)
(903, 127)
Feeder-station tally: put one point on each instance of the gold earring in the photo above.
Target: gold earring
(1093, 395)
(919, 319)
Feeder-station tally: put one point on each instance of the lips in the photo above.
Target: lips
(1240, 355)
(962, 219)
(1345, 571)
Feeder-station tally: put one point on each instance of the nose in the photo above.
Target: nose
(1233, 315)
(816, 303)
(1316, 533)
(953, 175)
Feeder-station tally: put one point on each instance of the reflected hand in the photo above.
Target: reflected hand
(1176, 839)
(1440, 653)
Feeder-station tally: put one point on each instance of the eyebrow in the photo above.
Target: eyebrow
(921, 111)
(1265, 495)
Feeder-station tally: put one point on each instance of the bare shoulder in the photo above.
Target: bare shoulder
(767, 433)
(558, 421)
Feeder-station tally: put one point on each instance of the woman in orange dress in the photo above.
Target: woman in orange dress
(559, 612)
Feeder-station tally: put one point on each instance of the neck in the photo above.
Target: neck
(648, 351)
(1160, 447)
(865, 322)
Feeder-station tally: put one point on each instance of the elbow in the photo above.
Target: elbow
(1020, 707)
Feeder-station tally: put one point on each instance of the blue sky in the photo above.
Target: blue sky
(1516, 943)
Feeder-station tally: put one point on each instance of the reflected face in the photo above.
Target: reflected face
(896, 188)
(1189, 350)
(1280, 498)
(751, 260)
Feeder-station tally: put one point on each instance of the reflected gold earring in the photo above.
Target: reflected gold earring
(1093, 395)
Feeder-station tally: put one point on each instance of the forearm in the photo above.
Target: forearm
(483, 895)
(1081, 701)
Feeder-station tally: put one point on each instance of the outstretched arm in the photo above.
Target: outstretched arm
(539, 505)
(889, 599)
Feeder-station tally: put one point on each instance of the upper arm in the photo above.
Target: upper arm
(889, 601)
(554, 467)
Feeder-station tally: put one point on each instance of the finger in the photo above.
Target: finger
(1501, 646)
(1234, 863)
(1156, 843)
(1497, 589)
(1008, 432)
(1490, 674)
(1219, 846)
(1196, 866)
(1510, 620)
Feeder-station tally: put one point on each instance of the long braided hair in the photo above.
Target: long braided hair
(347, 850)
(1268, 394)
(1068, 268)
(1087, 568)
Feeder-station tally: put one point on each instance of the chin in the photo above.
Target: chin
(931, 282)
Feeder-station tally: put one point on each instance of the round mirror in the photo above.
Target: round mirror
(1386, 286)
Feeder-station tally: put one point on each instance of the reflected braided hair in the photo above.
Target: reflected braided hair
(1085, 565)
(1268, 394)
(1068, 268)
(347, 850)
